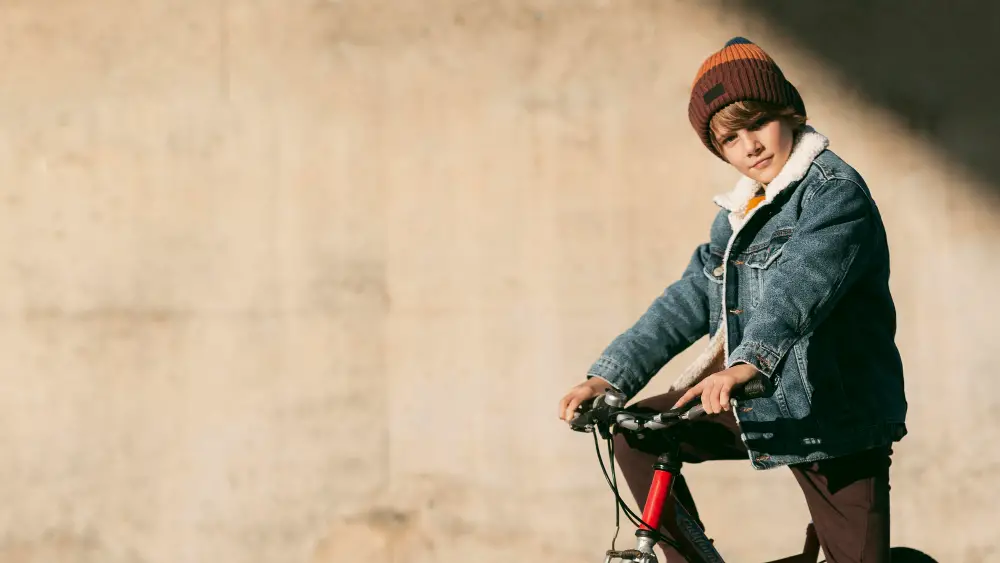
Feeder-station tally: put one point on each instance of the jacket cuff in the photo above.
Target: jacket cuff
(619, 376)
(756, 354)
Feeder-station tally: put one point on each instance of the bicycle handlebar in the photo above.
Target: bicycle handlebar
(610, 408)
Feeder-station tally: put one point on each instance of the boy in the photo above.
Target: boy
(793, 286)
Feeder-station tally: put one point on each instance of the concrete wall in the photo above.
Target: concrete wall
(303, 281)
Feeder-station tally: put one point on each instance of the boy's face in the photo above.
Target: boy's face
(758, 151)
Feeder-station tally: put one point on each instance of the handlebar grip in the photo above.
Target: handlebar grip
(756, 387)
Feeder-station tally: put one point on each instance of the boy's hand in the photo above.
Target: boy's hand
(580, 393)
(715, 389)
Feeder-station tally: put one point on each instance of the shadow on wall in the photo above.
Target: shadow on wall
(934, 64)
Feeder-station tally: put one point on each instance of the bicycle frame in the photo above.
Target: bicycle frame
(663, 512)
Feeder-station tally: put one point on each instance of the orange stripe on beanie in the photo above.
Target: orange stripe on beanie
(730, 53)
(739, 71)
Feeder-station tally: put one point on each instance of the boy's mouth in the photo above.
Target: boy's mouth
(763, 163)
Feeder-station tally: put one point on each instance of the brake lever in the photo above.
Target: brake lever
(583, 422)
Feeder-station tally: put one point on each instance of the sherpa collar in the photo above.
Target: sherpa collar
(807, 147)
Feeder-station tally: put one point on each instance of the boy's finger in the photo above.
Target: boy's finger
(690, 394)
(716, 407)
(681, 400)
(570, 408)
(724, 397)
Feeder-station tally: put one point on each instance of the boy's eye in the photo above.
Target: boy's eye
(759, 123)
(729, 140)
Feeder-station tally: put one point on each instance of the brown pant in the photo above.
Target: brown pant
(848, 497)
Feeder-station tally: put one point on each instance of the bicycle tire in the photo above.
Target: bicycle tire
(907, 555)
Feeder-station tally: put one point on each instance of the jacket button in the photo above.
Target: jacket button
(718, 272)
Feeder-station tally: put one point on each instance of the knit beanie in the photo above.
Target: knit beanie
(740, 71)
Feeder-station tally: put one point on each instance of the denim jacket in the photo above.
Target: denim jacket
(799, 288)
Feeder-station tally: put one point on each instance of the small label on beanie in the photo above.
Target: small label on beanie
(714, 93)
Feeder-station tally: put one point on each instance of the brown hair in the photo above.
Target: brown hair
(746, 113)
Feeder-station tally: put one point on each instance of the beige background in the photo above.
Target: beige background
(302, 281)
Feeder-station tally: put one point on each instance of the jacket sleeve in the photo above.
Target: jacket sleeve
(675, 320)
(829, 250)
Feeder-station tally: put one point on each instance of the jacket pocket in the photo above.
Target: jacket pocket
(760, 260)
(765, 255)
(714, 271)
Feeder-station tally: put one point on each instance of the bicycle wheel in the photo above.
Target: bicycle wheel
(906, 555)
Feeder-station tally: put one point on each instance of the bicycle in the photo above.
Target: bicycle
(606, 415)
